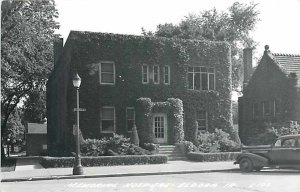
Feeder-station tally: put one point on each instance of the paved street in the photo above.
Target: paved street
(265, 181)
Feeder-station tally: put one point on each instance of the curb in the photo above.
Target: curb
(112, 175)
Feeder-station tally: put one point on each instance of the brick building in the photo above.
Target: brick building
(271, 93)
(119, 71)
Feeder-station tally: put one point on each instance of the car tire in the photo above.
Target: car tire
(246, 165)
(258, 168)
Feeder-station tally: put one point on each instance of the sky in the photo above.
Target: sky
(279, 26)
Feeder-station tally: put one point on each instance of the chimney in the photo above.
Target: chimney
(57, 49)
(247, 61)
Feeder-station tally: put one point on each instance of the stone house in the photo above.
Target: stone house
(271, 94)
(169, 88)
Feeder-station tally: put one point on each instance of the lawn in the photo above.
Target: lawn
(8, 165)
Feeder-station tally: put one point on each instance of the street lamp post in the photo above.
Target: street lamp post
(77, 169)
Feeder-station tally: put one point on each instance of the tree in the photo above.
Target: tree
(233, 26)
(15, 129)
(27, 33)
(34, 108)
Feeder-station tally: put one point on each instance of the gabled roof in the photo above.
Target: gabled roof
(290, 63)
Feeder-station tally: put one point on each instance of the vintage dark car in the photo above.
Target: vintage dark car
(285, 152)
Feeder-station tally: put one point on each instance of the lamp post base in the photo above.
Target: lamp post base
(77, 169)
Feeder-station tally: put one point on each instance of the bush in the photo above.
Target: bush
(134, 137)
(116, 145)
(218, 141)
(51, 162)
(188, 146)
(150, 146)
(266, 133)
(226, 156)
(285, 128)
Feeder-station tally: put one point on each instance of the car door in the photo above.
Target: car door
(296, 153)
(284, 152)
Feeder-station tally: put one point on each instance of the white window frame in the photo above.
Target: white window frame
(168, 74)
(127, 108)
(158, 74)
(114, 127)
(114, 73)
(208, 74)
(143, 72)
(206, 120)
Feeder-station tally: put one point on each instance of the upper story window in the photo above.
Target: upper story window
(201, 78)
(107, 120)
(156, 74)
(145, 74)
(130, 118)
(201, 118)
(107, 73)
(167, 75)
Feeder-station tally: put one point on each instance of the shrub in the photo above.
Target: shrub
(266, 133)
(116, 145)
(150, 146)
(285, 128)
(226, 156)
(218, 141)
(134, 137)
(188, 146)
(93, 147)
(50, 162)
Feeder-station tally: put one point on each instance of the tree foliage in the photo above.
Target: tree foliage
(34, 108)
(15, 128)
(27, 32)
(233, 26)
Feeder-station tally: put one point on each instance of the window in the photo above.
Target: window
(130, 118)
(201, 118)
(255, 110)
(269, 108)
(167, 75)
(107, 119)
(289, 143)
(156, 74)
(201, 78)
(145, 77)
(276, 107)
(107, 73)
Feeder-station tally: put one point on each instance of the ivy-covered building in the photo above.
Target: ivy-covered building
(168, 88)
(271, 94)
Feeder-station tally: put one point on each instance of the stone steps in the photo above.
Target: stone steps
(172, 152)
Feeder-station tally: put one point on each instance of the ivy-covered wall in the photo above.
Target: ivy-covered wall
(87, 49)
(173, 109)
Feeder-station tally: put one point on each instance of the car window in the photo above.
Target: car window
(278, 143)
(289, 143)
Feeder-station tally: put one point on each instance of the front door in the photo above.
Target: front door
(160, 127)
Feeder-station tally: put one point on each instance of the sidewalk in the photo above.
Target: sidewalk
(36, 172)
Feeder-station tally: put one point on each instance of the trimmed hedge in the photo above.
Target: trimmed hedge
(51, 162)
(225, 156)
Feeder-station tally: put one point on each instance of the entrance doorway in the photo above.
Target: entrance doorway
(160, 126)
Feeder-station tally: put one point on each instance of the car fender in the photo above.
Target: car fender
(257, 160)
